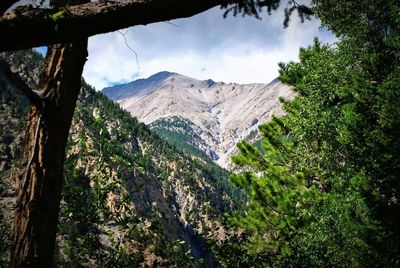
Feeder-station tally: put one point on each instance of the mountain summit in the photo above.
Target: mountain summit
(212, 116)
(141, 85)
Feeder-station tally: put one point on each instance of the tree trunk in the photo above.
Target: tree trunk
(41, 181)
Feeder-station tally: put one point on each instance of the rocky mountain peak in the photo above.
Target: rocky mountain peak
(220, 114)
(130, 199)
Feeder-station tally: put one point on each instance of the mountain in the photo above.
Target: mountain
(130, 198)
(206, 115)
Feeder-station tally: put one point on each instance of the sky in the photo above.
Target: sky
(205, 46)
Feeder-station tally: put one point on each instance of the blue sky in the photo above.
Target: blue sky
(235, 49)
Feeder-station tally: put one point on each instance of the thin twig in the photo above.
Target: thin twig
(131, 49)
(295, 3)
(173, 24)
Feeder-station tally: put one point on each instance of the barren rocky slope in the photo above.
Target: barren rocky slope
(216, 115)
(130, 198)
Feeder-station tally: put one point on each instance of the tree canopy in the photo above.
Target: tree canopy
(324, 184)
(65, 26)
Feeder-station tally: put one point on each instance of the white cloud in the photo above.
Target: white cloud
(108, 62)
(242, 50)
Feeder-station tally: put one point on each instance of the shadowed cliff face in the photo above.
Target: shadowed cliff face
(130, 198)
(216, 115)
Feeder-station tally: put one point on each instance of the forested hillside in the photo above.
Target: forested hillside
(130, 197)
(181, 132)
(203, 114)
(320, 189)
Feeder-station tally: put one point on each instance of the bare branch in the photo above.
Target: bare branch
(170, 23)
(16, 80)
(127, 45)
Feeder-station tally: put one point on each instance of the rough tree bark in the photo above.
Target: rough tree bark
(40, 183)
(28, 27)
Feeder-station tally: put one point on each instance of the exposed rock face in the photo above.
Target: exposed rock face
(130, 199)
(220, 114)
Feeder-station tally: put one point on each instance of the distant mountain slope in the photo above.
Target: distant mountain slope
(219, 114)
(182, 133)
(130, 198)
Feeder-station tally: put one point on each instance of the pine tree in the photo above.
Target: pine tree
(324, 184)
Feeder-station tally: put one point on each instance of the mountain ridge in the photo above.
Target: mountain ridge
(222, 113)
(130, 198)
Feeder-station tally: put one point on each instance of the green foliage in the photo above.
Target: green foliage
(112, 163)
(105, 139)
(27, 62)
(56, 16)
(179, 132)
(255, 7)
(324, 186)
(5, 241)
(177, 251)
(12, 108)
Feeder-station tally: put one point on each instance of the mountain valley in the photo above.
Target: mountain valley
(130, 198)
